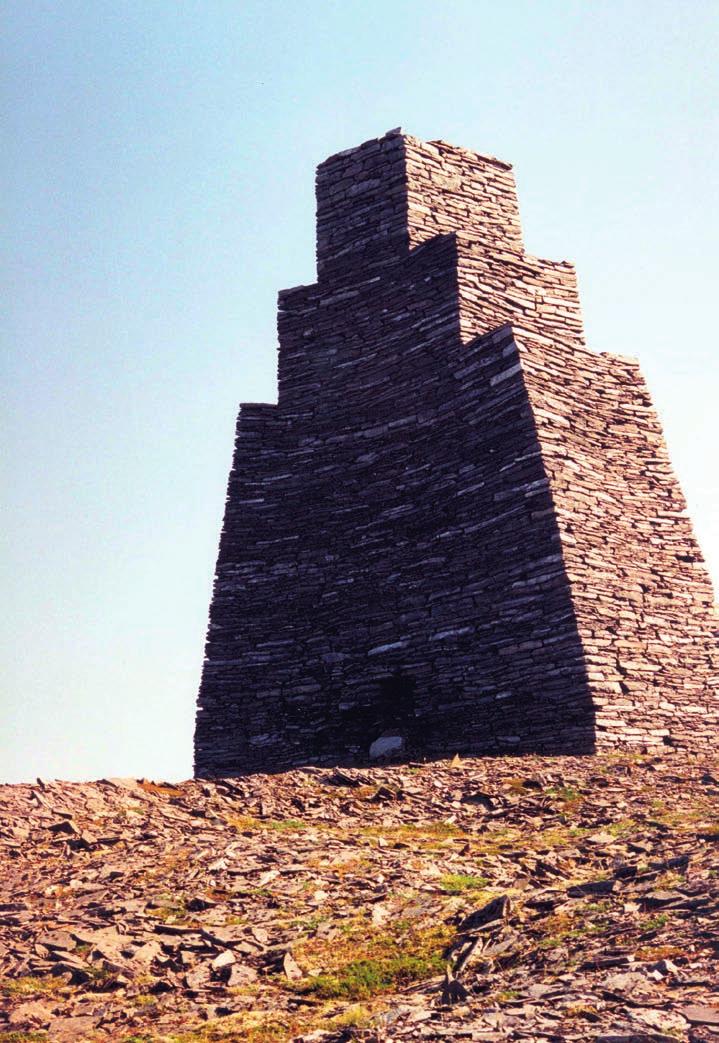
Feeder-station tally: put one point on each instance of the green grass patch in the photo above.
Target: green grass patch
(285, 825)
(563, 928)
(507, 995)
(567, 794)
(460, 883)
(250, 824)
(417, 831)
(557, 837)
(655, 923)
(30, 985)
(258, 892)
(23, 1037)
(364, 978)
(622, 827)
(309, 924)
(144, 999)
(168, 908)
(252, 1027)
(361, 962)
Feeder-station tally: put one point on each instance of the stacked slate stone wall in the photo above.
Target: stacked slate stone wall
(640, 589)
(416, 536)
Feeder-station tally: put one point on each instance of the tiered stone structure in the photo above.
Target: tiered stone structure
(458, 525)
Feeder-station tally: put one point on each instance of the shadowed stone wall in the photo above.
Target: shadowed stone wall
(458, 525)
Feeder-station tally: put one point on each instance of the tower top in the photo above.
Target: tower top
(377, 201)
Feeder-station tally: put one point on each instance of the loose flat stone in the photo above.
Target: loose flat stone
(385, 745)
(699, 1014)
(225, 959)
(57, 940)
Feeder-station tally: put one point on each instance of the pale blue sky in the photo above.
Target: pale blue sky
(159, 170)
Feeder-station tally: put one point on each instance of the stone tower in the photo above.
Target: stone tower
(458, 526)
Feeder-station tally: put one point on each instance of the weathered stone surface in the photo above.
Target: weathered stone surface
(457, 524)
(700, 1015)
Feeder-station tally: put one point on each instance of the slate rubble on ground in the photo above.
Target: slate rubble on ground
(497, 899)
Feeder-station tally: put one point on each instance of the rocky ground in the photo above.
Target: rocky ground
(496, 899)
